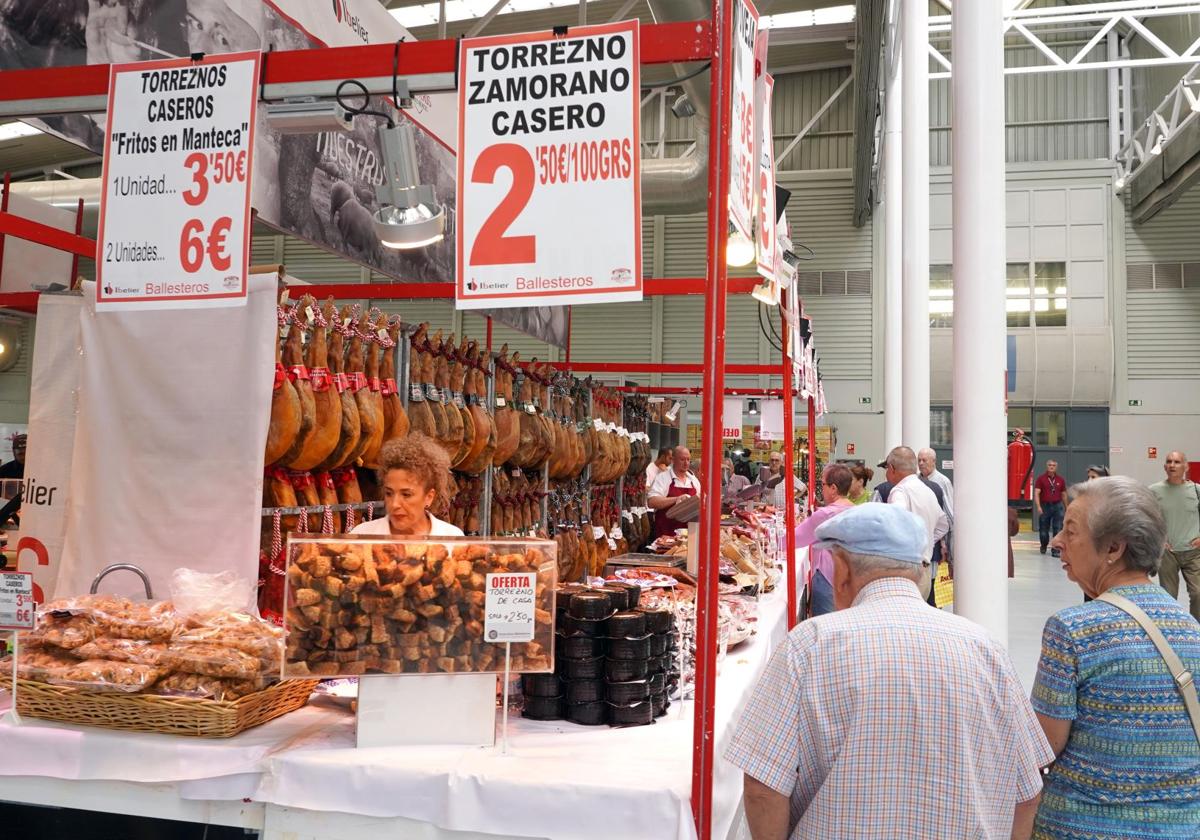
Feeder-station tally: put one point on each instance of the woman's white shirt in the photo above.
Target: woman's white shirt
(380, 526)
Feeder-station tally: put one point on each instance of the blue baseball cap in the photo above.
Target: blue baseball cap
(878, 529)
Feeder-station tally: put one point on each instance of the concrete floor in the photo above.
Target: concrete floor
(1039, 589)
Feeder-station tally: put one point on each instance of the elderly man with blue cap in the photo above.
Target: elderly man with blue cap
(888, 718)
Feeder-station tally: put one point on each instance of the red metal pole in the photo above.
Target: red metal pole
(812, 452)
(789, 472)
(714, 387)
(75, 257)
(3, 209)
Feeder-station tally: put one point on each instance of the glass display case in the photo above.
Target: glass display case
(359, 605)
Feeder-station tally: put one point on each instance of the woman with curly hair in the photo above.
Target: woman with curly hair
(413, 472)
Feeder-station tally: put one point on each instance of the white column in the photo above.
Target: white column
(980, 535)
(893, 239)
(915, 145)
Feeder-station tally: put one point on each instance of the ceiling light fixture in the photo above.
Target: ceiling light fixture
(409, 215)
(754, 406)
(739, 251)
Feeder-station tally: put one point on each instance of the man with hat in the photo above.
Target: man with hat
(887, 718)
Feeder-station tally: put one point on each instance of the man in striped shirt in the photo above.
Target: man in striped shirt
(888, 719)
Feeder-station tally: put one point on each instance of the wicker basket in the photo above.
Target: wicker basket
(167, 715)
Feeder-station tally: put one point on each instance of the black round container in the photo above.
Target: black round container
(657, 664)
(585, 691)
(658, 643)
(579, 647)
(635, 648)
(623, 670)
(658, 683)
(543, 708)
(619, 596)
(660, 703)
(625, 625)
(633, 593)
(581, 669)
(582, 626)
(588, 714)
(624, 693)
(541, 685)
(637, 714)
(658, 621)
(590, 604)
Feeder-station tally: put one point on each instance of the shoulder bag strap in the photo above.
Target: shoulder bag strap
(1182, 676)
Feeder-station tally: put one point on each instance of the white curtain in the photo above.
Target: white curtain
(168, 461)
(53, 397)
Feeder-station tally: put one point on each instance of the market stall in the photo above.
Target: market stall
(577, 443)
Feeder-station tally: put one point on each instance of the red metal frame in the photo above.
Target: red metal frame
(714, 386)
(660, 43)
(789, 469)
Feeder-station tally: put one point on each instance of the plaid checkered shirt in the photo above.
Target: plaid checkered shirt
(892, 720)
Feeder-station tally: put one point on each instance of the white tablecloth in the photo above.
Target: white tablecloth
(559, 780)
(201, 768)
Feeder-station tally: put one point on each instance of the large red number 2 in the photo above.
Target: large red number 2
(491, 246)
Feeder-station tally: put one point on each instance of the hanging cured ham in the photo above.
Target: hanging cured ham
(373, 393)
(458, 384)
(285, 411)
(441, 351)
(327, 424)
(395, 419)
(420, 413)
(297, 371)
(508, 425)
(350, 433)
(370, 423)
(482, 454)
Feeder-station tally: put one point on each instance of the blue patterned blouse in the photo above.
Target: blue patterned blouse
(1131, 767)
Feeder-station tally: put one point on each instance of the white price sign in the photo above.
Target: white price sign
(744, 158)
(17, 608)
(175, 212)
(549, 168)
(731, 419)
(509, 607)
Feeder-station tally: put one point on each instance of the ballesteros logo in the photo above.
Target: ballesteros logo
(342, 12)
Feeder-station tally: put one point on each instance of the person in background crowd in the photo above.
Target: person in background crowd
(862, 475)
(771, 477)
(831, 751)
(910, 492)
(1097, 471)
(835, 485)
(658, 465)
(927, 466)
(731, 482)
(16, 467)
(1128, 760)
(672, 484)
(1179, 501)
(1048, 504)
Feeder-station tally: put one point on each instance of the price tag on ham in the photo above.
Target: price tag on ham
(174, 227)
(509, 607)
(16, 601)
(548, 123)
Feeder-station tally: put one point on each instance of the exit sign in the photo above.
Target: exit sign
(1134, 403)
(864, 400)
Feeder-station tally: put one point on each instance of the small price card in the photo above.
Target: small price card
(16, 601)
(509, 607)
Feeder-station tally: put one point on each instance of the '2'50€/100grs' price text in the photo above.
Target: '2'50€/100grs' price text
(591, 160)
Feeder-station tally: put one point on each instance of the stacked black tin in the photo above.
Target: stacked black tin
(614, 662)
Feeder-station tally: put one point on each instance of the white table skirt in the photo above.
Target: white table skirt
(558, 781)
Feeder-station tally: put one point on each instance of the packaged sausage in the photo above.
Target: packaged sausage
(63, 630)
(122, 650)
(213, 688)
(238, 630)
(120, 617)
(211, 660)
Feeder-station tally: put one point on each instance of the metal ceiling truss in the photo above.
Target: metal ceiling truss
(1027, 27)
(1175, 114)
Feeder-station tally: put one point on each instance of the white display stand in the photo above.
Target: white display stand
(395, 711)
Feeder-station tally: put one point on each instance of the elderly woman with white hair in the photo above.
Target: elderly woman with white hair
(1128, 750)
